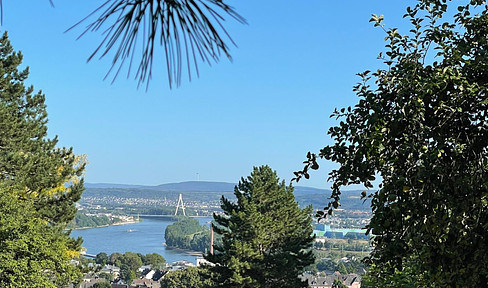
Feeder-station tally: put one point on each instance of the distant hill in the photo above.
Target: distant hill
(197, 186)
(302, 190)
(111, 185)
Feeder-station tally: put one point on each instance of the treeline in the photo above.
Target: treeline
(90, 221)
(129, 262)
(187, 233)
(144, 209)
(329, 266)
(348, 246)
(350, 200)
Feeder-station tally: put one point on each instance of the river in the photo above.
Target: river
(143, 237)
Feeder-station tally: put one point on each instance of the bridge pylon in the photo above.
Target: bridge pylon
(180, 205)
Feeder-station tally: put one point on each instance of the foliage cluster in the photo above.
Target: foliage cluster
(101, 258)
(187, 233)
(107, 276)
(32, 254)
(103, 284)
(84, 221)
(329, 266)
(129, 262)
(349, 245)
(422, 128)
(190, 277)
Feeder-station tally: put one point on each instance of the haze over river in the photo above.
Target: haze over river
(143, 237)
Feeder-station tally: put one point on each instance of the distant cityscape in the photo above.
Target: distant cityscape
(339, 245)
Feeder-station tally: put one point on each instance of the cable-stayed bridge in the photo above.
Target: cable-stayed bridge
(179, 206)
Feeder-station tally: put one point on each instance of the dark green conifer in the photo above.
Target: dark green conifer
(266, 238)
(39, 184)
(31, 166)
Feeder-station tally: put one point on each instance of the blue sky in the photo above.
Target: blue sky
(295, 62)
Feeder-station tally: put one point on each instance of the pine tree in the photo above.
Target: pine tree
(30, 164)
(266, 238)
(38, 181)
(190, 277)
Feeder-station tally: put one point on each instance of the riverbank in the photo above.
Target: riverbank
(107, 225)
(184, 251)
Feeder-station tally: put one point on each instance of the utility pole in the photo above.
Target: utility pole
(211, 238)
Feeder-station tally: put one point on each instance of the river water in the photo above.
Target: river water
(143, 237)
